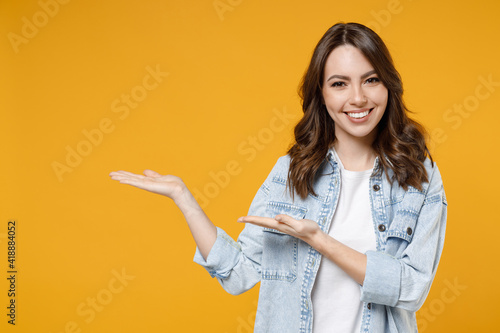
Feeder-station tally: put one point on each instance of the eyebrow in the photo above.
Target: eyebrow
(347, 78)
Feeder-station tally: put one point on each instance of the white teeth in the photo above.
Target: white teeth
(358, 115)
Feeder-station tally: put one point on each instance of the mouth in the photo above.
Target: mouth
(359, 114)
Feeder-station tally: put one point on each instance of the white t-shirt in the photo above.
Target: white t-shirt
(336, 296)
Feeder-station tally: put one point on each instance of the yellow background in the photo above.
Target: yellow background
(231, 72)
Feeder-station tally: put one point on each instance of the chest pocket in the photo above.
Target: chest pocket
(404, 223)
(280, 251)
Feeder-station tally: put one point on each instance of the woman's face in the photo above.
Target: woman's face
(353, 94)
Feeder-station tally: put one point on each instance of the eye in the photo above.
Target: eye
(338, 84)
(372, 80)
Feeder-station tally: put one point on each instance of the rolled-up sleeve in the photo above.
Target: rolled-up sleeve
(237, 264)
(373, 290)
(223, 256)
(404, 279)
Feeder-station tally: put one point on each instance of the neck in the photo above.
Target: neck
(356, 154)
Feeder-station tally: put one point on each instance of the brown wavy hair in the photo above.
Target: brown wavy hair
(400, 142)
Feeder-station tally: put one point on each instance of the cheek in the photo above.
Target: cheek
(332, 112)
(380, 97)
(333, 102)
(382, 103)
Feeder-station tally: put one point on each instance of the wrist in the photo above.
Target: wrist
(186, 202)
(318, 240)
(181, 195)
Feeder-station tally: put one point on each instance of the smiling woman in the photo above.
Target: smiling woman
(355, 104)
(347, 230)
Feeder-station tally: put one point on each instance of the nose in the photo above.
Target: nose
(358, 97)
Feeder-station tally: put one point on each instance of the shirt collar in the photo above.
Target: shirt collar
(332, 157)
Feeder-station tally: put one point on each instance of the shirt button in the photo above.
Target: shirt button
(409, 231)
(369, 306)
(381, 227)
(376, 187)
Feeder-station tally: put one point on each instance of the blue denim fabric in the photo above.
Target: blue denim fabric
(398, 274)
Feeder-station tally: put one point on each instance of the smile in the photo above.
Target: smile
(359, 115)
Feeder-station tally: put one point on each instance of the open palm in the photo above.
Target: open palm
(303, 229)
(168, 185)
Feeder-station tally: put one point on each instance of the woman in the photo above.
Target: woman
(346, 233)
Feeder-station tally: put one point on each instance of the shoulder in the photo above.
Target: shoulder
(431, 190)
(280, 169)
(433, 177)
(284, 161)
(435, 181)
(434, 188)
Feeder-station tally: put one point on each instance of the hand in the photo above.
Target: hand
(302, 229)
(202, 229)
(168, 185)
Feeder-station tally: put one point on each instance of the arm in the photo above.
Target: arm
(236, 265)
(406, 277)
(349, 260)
(402, 279)
(203, 230)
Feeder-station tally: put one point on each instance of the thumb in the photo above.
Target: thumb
(283, 218)
(151, 173)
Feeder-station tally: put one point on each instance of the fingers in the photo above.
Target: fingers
(125, 177)
(151, 173)
(256, 219)
(285, 219)
(129, 182)
(266, 222)
(277, 221)
(133, 181)
(147, 173)
(122, 173)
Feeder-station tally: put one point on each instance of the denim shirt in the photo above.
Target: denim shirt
(409, 227)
